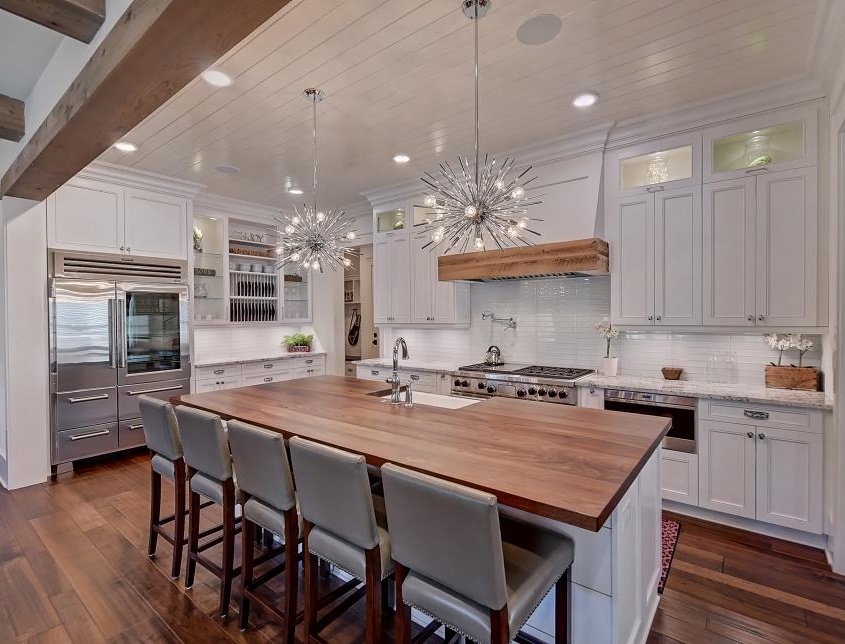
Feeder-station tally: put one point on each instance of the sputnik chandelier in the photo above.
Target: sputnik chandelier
(485, 204)
(314, 238)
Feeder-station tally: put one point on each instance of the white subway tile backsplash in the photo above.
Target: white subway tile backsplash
(556, 321)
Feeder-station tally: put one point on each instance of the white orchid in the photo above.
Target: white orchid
(787, 342)
(803, 345)
(608, 333)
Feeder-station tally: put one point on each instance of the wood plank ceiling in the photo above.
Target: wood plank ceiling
(398, 79)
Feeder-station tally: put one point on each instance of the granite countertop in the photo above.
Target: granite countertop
(270, 354)
(738, 392)
(417, 365)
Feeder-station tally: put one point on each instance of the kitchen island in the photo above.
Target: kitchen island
(591, 474)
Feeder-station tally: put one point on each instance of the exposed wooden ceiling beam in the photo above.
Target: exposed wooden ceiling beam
(156, 48)
(11, 118)
(79, 19)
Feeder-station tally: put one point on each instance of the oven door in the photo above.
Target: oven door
(681, 436)
(152, 332)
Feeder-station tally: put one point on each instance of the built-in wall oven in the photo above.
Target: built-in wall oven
(680, 409)
(119, 328)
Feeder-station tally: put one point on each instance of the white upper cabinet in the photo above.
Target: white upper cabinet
(155, 225)
(663, 164)
(777, 140)
(434, 301)
(86, 215)
(632, 259)
(392, 278)
(94, 216)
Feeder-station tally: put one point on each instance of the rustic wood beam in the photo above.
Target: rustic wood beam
(155, 49)
(11, 118)
(79, 19)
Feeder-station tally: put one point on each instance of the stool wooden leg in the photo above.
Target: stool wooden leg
(563, 608)
(403, 612)
(373, 585)
(155, 511)
(311, 565)
(193, 538)
(228, 546)
(247, 559)
(179, 520)
(499, 628)
(291, 574)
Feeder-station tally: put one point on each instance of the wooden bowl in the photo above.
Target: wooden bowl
(672, 373)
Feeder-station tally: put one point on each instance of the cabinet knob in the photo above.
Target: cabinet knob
(659, 317)
(128, 250)
(761, 436)
(750, 318)
(122, 248)
(760, 318)
(750, 434)
(650, 318)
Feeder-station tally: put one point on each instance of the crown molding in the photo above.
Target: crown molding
(132, 178)
(218, 204)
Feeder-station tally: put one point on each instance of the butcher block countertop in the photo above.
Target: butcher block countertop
(558, 461)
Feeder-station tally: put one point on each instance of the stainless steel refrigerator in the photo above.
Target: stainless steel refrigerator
(118, 329)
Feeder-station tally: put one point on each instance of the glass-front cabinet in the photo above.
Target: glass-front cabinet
(209, 286)
(662, 164)
(390, 220)
(296, 294)
(780, 140)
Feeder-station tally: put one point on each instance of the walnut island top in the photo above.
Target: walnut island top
(558, 461)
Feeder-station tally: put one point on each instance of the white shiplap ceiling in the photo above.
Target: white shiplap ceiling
(25, 50)
(398, 78)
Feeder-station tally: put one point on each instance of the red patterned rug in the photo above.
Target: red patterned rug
(671, 530)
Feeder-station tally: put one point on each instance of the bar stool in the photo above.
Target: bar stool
(267, 501)
(341, 526)
(486, 578)
(166, 460)
(210, 474)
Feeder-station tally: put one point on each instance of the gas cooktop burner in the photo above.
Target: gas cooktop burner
(497, 368)
(565, 373)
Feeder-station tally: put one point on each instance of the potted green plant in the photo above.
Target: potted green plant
(298, 342)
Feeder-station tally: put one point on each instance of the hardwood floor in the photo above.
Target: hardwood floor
(73, 568)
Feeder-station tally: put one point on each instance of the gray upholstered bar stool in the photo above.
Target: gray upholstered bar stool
(267, 501)
(166, 460)
(210, 475)
(482, 578)
(341, 526)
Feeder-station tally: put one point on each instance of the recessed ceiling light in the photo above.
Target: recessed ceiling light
(538, 30)
(125, 146)
(227, 169)
(295, 191)
(216, 77)
(401, 158)
(585, 99)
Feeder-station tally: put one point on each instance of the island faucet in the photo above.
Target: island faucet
(394, 381)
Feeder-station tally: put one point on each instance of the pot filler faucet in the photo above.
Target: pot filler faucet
(394, 381)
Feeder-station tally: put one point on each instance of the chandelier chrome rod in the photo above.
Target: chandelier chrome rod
(477, 149)
(314, 129)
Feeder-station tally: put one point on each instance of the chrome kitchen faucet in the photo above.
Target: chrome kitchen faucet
(394, 381)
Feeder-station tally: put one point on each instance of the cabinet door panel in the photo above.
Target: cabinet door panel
(422, 282)
(156, 225)
(729, 252)
(727, 468)
(677, 271)
(789, 479)
(787, 239)
(400, 267)
(87, 216)
(446, 294)
(382, 280)
(632, 260)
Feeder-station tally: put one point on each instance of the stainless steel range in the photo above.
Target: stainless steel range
(521, 381)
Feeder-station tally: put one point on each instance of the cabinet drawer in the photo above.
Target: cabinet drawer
(373, 373)
(85, 408)
(131, 433)
(316, 362)
(808, 420)
(127, 397)
(265, 378)
(309, 372)
(423, 380)
(79, 443)
(264, 367)
(215, 372)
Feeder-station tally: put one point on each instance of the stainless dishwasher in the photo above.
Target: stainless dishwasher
(681, 410)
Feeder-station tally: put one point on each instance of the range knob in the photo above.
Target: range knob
(491, 389)
(482, 385)
(521, 393)
(541, 392)
(552, 393)
(563, 394)
(532, 391)
(457, 383)
(464, 383)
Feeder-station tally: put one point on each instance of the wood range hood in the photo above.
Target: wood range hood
(557, 259)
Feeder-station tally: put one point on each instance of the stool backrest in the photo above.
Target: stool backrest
(160, 427)
(334, 491)
(204, 442)
(446, 532)
(261, 463)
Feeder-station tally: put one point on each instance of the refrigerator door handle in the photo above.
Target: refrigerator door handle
(112, 334)
(120, 335)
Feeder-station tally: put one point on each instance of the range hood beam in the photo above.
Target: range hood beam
(557, 259)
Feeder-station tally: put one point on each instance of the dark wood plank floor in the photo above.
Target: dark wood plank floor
(73, 568)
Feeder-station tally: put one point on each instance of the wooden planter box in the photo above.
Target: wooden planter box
(792, 378)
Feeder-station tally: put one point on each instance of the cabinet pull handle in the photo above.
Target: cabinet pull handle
(761, 170)
(414, 376)
(219, 371)
(309, 361)
(268, 366)
(750, 434)
(761, 436)
(153, 391)
(756, 415)
(73, 401)
(133, 428)
(375, 373)
(80, 437)
(657, 188)
(268, 379)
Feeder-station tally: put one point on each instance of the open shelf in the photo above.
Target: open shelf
(257, 244)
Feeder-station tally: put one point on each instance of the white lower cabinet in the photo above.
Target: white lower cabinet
(680, 476)
(760, 471)
(425, 381)
(245, 374)
(204, 386)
